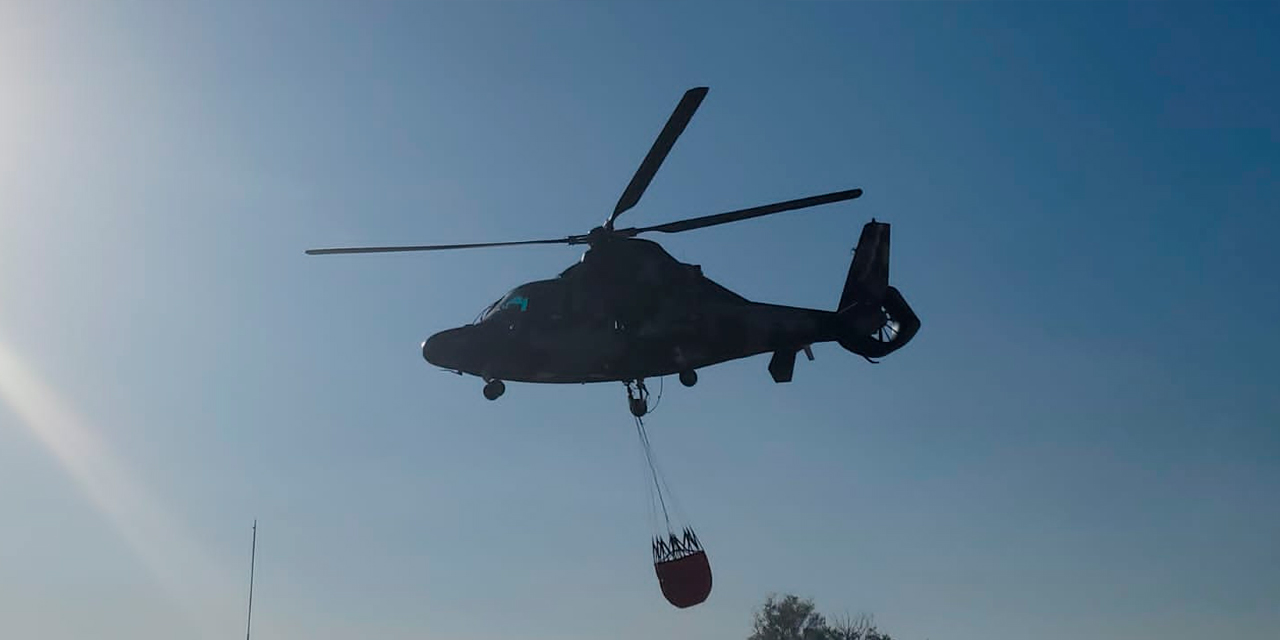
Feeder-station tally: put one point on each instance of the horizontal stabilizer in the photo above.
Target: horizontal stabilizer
(782, 365)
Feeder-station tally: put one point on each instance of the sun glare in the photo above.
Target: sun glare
(175, 562)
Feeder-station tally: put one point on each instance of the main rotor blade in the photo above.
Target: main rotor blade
(661, 147)
(744, 214)
(437, 247)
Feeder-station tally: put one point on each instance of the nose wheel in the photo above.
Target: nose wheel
(689, 378)
(494, 389)
(637, 398)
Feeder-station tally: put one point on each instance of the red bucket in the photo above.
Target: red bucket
(685, 581)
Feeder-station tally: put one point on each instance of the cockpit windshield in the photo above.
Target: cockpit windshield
(514, 300)
(536, 302)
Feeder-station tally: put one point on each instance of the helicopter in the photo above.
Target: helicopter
(628, 311)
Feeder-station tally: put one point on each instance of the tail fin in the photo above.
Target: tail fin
(875, 319)
(869, 272)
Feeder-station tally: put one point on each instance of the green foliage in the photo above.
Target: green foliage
(861, 627)
(789, 618)
(793, 618)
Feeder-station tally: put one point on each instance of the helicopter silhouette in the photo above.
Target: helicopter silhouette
(628, 310)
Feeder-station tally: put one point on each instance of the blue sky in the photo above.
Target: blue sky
(1081, 442)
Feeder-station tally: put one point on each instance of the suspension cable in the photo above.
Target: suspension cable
(653, 469)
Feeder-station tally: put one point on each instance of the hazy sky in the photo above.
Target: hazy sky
(1082, 442)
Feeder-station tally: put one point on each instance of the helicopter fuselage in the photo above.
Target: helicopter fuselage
(665, 344)
(629, 311)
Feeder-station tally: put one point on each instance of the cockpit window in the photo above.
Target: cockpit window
(511, 301)
(533, 302)
(516, 301)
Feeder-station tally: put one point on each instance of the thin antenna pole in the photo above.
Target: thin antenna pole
(253, 556)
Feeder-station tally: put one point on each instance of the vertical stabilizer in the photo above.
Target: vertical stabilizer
(868, 277)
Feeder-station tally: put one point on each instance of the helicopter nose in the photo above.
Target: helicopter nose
(445, 349)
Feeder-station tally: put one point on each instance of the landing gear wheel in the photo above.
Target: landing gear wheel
(689, 378)
(494, 389)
